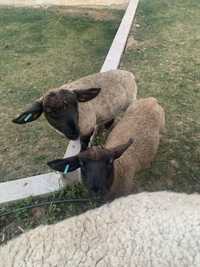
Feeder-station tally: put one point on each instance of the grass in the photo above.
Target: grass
(165, 59)
(42, 49)
(23, 220)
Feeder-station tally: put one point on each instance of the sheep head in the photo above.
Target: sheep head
(97, 166)
(60, 108)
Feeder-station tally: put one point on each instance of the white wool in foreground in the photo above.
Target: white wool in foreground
(148, 229)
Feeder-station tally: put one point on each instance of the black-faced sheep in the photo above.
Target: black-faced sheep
(110, 170)
(74, 109)
(149, 229)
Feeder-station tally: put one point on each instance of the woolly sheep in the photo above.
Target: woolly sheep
(143, 121)
(67, 110)
(148, 229)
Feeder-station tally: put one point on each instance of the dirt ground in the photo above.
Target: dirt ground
(112, 3)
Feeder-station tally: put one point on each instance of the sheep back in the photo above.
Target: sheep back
(143, 121)
(118, 90)
(147, 229)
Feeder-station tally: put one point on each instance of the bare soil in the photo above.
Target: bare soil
(99, 3)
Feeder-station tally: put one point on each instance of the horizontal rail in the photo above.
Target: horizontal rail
(31, 186)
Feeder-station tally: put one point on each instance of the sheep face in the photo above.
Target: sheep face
(61, 111)
(97, 166)
(97, 170)
(60, 108)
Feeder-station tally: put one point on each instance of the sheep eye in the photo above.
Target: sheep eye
(48, 110)
(81, 163)
(54, 115)
(65, 105)
(110, 161)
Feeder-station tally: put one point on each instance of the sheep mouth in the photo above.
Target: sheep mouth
(97, 192)
(73, 136)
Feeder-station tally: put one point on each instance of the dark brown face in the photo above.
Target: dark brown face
(97, 169)
(97, 166)
(61, 111)
(60, 108)
(97, 175)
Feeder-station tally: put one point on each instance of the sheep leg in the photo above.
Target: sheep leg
(95, 132)
(85, 140)
(109, 124)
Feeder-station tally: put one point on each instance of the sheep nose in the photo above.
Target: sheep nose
(72, 126)
(72, 136)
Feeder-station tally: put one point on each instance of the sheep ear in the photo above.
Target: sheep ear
(84, 95)
(65, 165)
(31, 113)
(119, 150)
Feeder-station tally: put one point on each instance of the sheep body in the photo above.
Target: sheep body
(118, 91)
(77, 109)
(148, 229)
(143, 121)
(110, 170)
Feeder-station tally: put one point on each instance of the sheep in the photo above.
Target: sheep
(69, 109)
(143, 121)
(145, 229)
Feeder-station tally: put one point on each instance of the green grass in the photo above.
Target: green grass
(166, 62)
(22, 220)
(42, 49)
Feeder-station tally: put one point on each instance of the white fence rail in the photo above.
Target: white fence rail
(51, 182)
